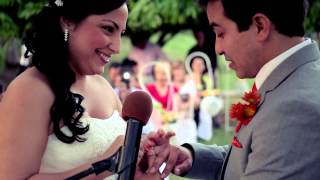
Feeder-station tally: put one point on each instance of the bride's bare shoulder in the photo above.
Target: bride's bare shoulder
(30, 83)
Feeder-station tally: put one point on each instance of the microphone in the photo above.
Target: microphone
(137, 109)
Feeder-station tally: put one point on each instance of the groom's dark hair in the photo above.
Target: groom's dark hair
(287, 15)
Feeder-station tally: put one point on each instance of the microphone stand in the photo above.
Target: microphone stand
(109, 164)
(130, 149)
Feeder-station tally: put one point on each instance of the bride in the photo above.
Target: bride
(60, 115)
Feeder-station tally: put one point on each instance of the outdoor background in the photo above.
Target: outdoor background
(170, 24)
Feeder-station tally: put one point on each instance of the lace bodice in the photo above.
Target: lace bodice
(60, 157)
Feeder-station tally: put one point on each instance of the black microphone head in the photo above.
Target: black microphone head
(137, 105)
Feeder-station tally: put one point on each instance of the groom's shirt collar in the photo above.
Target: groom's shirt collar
(267, 69)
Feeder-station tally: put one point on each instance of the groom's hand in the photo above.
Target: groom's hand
(178, 159)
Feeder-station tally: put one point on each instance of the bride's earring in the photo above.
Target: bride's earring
(66, 35)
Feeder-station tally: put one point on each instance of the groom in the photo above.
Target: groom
(261, 39)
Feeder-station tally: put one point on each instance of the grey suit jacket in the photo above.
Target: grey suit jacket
(283, 139)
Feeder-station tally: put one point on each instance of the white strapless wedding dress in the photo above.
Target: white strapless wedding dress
(60, 157)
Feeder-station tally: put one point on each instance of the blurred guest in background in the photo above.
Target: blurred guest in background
(205, 42)
(113, 72)
(179, 74)
(198, 64)
(163, 93)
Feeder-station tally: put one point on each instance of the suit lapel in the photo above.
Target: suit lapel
(224, 166)
(306, 54)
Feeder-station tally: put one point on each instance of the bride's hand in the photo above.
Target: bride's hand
(112, 149)
(146, 156)
(139, 174)
(142, 166)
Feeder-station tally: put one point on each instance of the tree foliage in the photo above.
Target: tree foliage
(144, 15)
(15, 16)
(152, 15)
(312, 22)
(166, 17)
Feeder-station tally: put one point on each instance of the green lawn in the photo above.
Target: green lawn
(220, 137)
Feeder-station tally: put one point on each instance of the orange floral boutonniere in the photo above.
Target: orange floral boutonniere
(244, 112)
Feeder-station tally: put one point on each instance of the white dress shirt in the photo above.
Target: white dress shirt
(267, 69)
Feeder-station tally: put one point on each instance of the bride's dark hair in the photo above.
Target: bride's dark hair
(45, 41)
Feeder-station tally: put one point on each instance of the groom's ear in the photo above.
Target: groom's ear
(263, 26)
